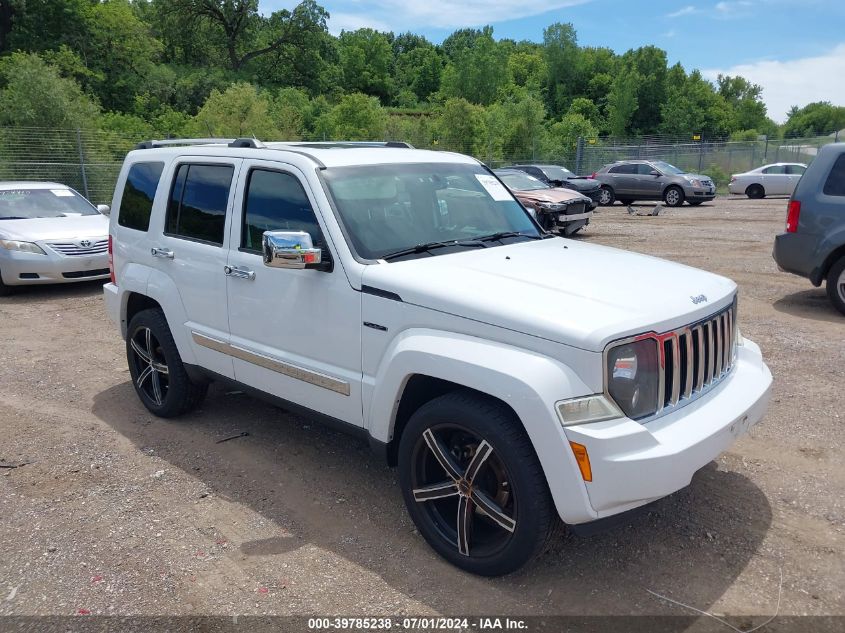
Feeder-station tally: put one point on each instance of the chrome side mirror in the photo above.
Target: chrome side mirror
(104, 209)
(290, 249)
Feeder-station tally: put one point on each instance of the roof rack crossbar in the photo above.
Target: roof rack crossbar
(169, 142)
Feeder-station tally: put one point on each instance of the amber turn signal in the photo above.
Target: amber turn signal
(583, 459)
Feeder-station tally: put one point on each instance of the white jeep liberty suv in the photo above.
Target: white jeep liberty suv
(513, 376)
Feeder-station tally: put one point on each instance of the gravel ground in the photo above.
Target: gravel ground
(118, 512)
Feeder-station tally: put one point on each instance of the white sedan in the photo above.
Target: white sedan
(50, 234)
(768, 180)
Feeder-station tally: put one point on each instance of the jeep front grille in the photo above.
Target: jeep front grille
(696, 358)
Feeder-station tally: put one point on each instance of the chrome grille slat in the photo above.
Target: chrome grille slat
(695, 358)
(74, 249)
(689, 369)
(676, 372)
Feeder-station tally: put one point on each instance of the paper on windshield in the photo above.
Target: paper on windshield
(62, 193)
(496, 189)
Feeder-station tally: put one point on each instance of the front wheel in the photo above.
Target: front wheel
(606, 196)
(836, 285)
(157, 372)
(674, 197)
(473, 485)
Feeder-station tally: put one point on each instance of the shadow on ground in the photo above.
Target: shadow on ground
(332, 492)
(810, 304)
(53, 292)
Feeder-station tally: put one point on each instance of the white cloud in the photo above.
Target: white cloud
(415, 15)
(734, 9)
(684, 11)
(351, 22)
(794, 82)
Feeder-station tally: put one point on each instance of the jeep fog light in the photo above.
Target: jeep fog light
(595, 408)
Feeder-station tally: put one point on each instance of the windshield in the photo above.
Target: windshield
(556, 172)
(389, 208)
(27, 204)
(666, 168)
(520, 181)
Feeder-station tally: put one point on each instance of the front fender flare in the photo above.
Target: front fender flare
(528, 382)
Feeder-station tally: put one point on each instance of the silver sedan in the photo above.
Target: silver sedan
(50, 234)
(778, 179)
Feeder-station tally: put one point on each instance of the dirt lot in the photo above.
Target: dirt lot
(122, 513)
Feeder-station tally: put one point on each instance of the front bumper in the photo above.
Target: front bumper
(18, 268)
(634, 464)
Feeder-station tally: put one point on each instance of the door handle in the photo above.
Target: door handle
(161, 252)
(240, 272)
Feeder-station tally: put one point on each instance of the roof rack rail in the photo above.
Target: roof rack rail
(247, 142)
(170, 142)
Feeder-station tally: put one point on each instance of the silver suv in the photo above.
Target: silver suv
(632, 180)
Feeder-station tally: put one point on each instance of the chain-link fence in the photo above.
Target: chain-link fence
(90, 160)
(717, 158)
(87, 160)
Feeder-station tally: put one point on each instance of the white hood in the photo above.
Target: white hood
(47, 229)
(566, 291)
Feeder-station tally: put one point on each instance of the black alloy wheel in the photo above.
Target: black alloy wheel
(157, 372)
(473, 485)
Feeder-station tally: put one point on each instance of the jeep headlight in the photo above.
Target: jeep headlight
(632, 376)
(24, 247)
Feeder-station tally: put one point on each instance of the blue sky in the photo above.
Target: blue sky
(795, 49)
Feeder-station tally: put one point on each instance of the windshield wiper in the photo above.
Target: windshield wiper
(12, 217)
(502, 234)
(429, 246)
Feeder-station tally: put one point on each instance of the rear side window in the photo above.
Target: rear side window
(276, 201)
(795, 170)
(775, 169)
(136, 204)
(835, 184)
(624, 169)
(198, 201)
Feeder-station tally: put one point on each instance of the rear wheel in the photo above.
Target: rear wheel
(606, 196)
(473, 485)
(836, 285)
(755, 192)
(673, 196)
(157, 372)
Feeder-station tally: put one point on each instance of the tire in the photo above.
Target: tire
(836, 285)
(507, 477)
(755, 192)
(694, 203)
(606, 196)
(157, 372)
(673, 196)
(5, 290)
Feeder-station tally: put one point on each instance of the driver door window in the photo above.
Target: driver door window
(276, 201)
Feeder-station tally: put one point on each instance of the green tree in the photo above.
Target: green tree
(586, 109)
(622, 102)
(562, 138)
(695, 107)
(366, 58)
(528, 70)
(746, 100)
(649, 62)
(358, 117)
(239, 111)
(34, 94)
(814, 119)
(560, 46)
(523, 133)
(247, 34)
(459, 126)
(419, 70)
(477, 72)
